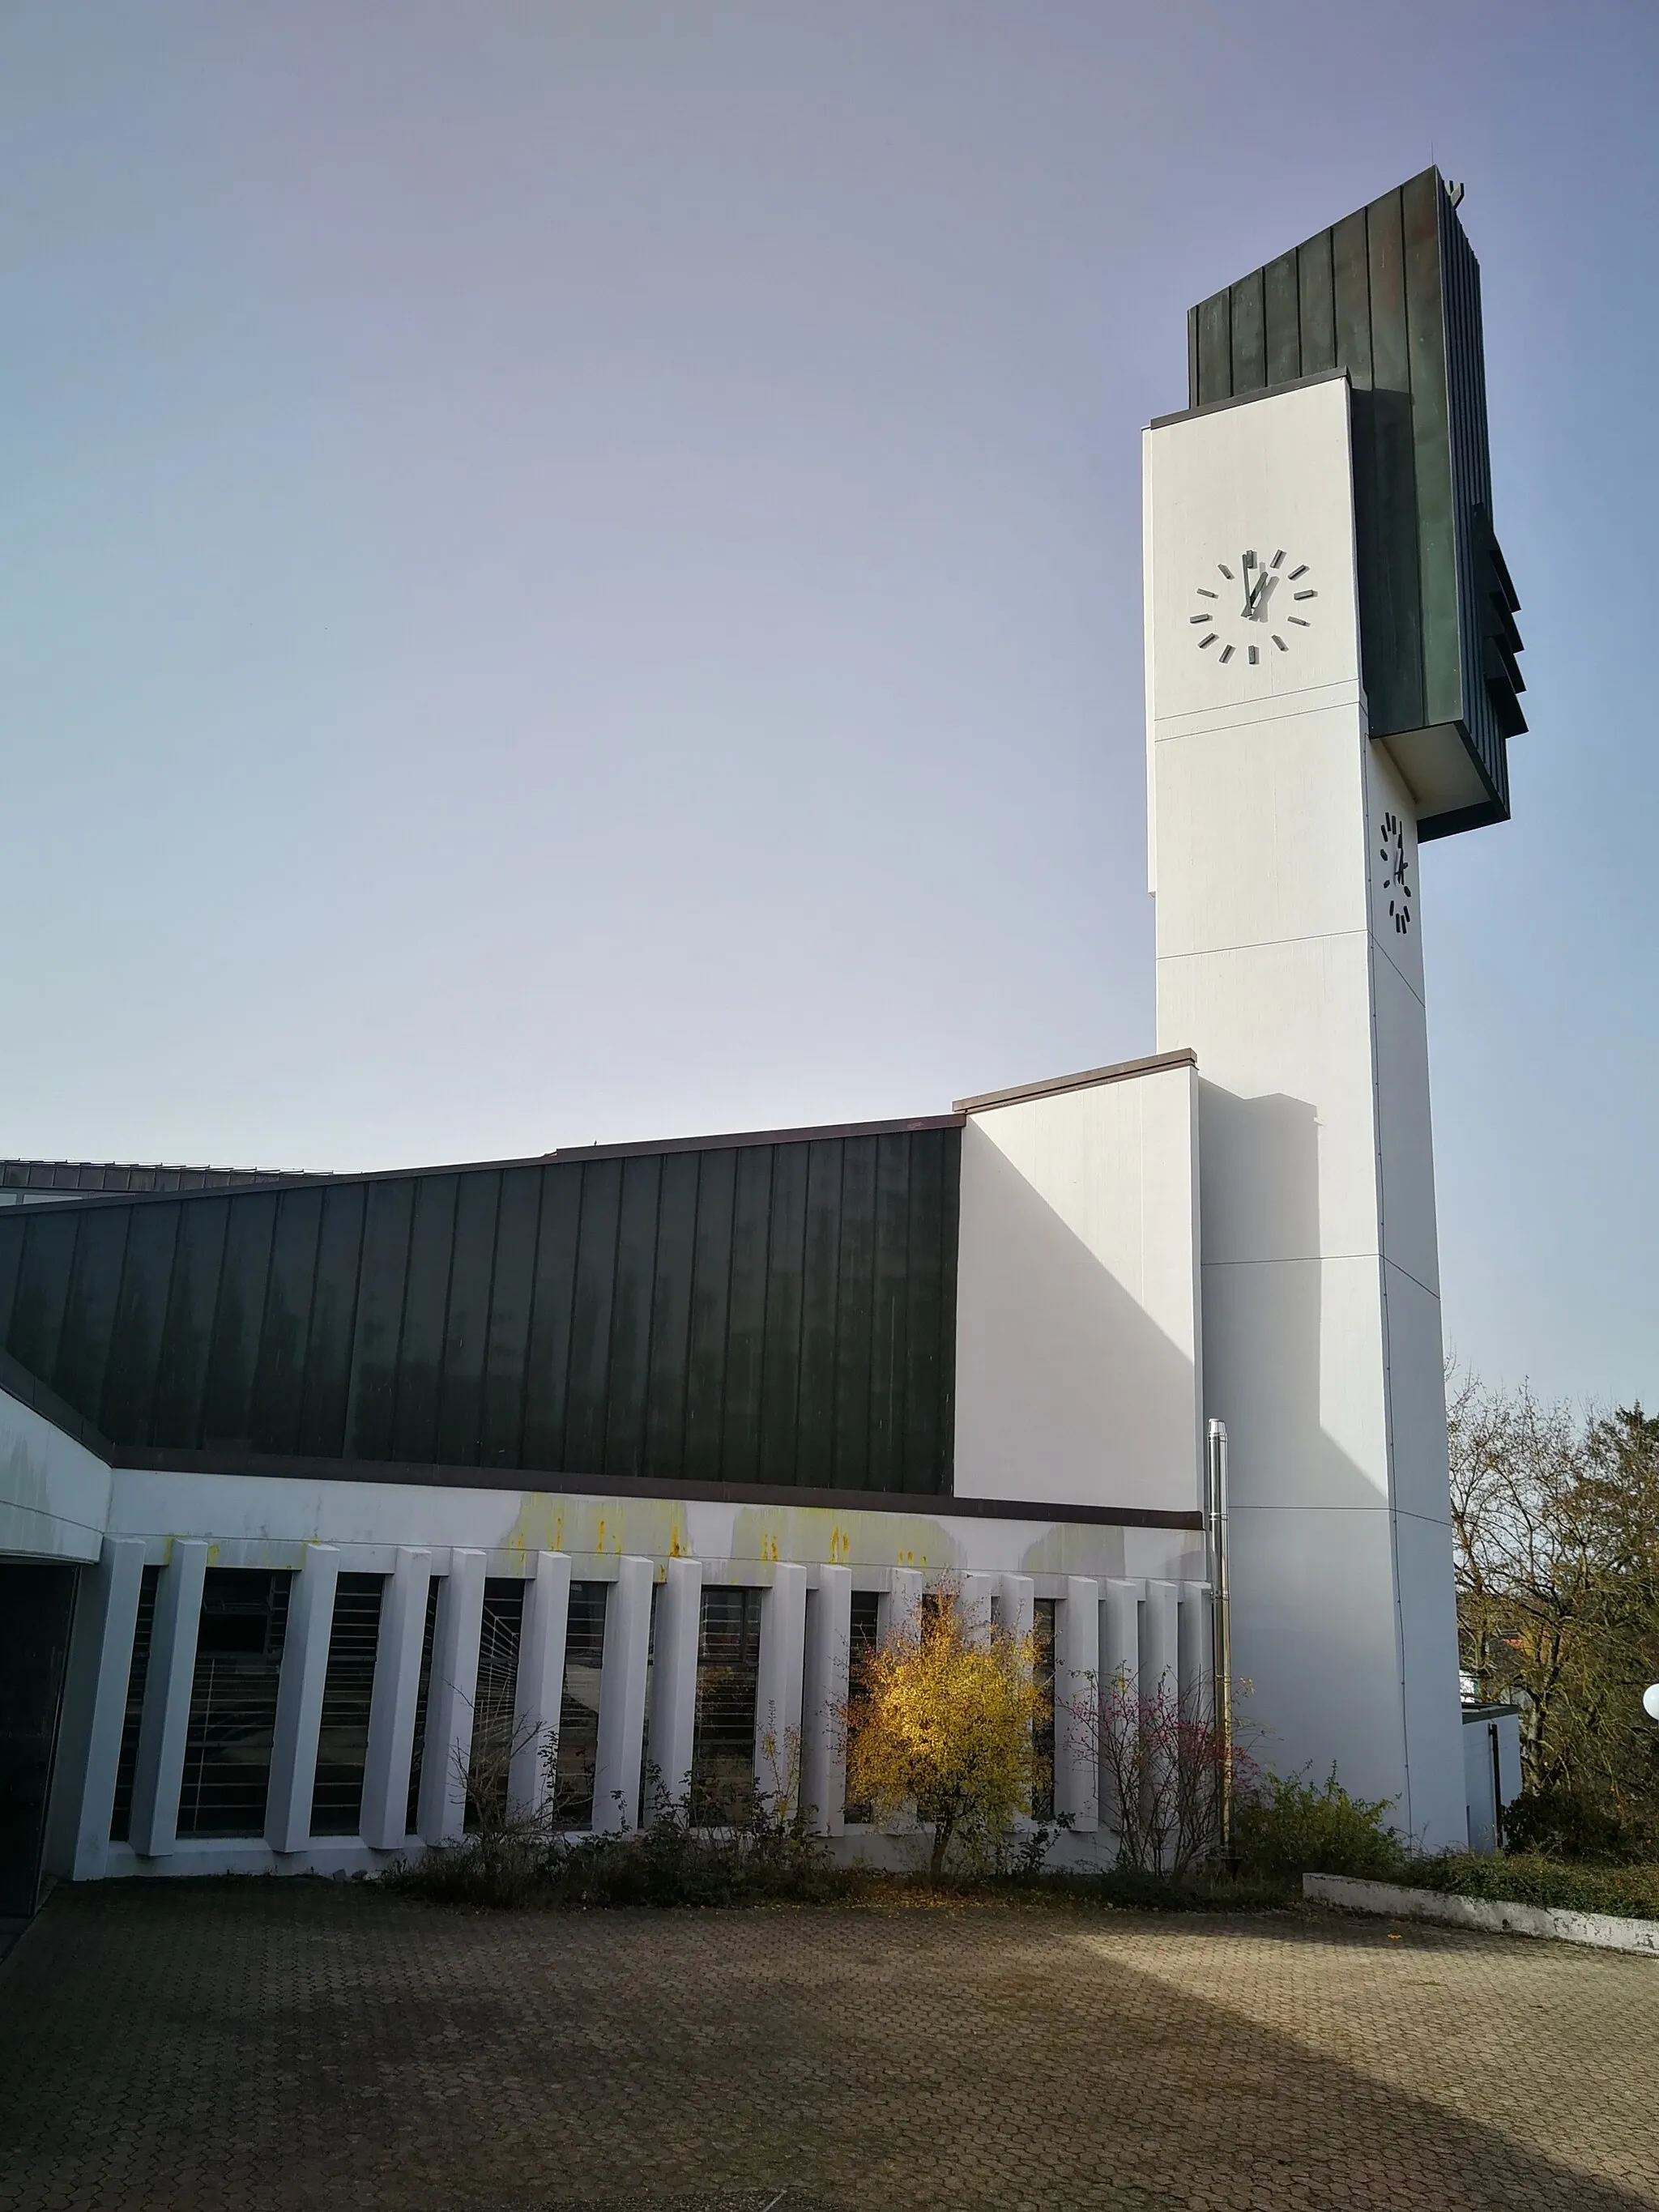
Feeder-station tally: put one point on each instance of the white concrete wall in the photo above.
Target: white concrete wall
(54, 1493)
(1078, 1296)
(1278, 965)
(266, 1521)
(800, 1556)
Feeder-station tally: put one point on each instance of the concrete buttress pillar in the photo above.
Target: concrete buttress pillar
(823, 1700)
(450, 1693)
(622, 1697)
(300, 1700)
(1160, 1649)
(1017, 1597)
(161, 1766)
(977, 1592)
(391, 1704)
(674, 1683)
(541, 1682)
(1076, 1677)
(778, 1694)
(95, 1710)
(901, 1603)
(1194, 1627)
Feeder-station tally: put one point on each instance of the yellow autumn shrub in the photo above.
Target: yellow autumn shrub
(941, 1716)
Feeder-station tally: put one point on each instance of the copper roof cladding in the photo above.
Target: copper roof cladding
(1391, 296)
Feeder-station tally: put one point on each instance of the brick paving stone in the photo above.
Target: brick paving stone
(167, 2045)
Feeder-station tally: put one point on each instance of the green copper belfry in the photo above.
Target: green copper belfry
(1391, 296)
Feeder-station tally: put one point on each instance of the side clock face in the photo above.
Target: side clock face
(1396, 872)
(1253, 609)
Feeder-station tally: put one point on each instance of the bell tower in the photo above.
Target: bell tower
(1331, 681)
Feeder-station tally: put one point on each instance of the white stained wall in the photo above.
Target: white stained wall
(1078, 1293)
(807, 1559)
(1278, 964)
(54, 1493)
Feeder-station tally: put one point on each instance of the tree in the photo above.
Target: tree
(941, 1715)
(1555, 1523)
(1162, 1761)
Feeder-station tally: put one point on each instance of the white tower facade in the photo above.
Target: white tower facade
(1283, 846)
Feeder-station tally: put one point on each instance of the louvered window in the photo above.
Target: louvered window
(578, 1706)
(336, 1795)
(233, 1702)
(728, 1682)
(494, 1699)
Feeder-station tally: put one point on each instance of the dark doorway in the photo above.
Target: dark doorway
(36, 1605)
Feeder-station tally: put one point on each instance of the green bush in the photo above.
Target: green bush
(1559, 1823)
(761, 1859)
(1288, 1828)
(1523, 1878)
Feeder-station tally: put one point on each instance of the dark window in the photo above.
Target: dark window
(728, 1683)
(495, 1699)
(1042, 1735)
(233, 1702)
(423, 1694)
(337, 1795)
(578, 1705)
(865, 1639)
(120, 1819)
(37, 1605)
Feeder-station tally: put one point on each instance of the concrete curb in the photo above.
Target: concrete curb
(1604, 1930)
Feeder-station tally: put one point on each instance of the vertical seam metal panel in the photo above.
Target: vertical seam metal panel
(784, 1310)
(552, 1295)
(325, 1390)
(131, 1378)
(779, 1312)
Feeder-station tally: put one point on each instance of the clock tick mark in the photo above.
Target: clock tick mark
(1280, 643)
(1195, 620)
(1225, 570)
(1203, 595)
(1203, 641)
(1254, 656)
(1278, 558)
(1309, 594)
(1228, 651)
(1298, 620)
(1302, 571)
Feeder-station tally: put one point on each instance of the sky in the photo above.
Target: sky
(572, 572)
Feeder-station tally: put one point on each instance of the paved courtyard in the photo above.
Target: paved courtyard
(262, 2043)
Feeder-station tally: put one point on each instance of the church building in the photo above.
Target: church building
(582, 1467)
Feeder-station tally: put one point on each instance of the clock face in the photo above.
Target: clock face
(1253, 609)
(1396, 872)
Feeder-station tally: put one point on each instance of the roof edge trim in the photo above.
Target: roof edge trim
(1122, 1071)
